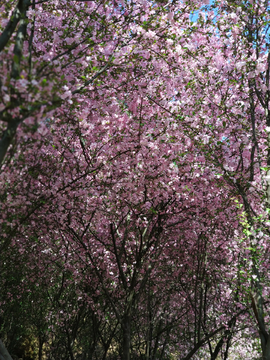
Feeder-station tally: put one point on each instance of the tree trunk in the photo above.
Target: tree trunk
(4, 354)
(126, 337)
(40, 346)
(265, 344)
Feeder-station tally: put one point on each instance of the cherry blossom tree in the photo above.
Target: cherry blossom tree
(237, 144)
(133, 189)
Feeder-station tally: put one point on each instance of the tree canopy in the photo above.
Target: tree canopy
(135, 179)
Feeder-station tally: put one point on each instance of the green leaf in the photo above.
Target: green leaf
(251, 249)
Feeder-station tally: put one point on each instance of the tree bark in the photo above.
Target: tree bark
(18, 13)
(126, 336)
(4, 354)
(265, 344)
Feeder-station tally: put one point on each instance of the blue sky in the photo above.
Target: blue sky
(194, 16)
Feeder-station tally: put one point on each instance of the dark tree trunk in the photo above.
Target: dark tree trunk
(40, 346)
(126, 337)
(265, 344)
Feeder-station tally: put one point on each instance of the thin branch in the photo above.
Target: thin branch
(39, 2)
(122, 275)
(60, 55)
(88, 82)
